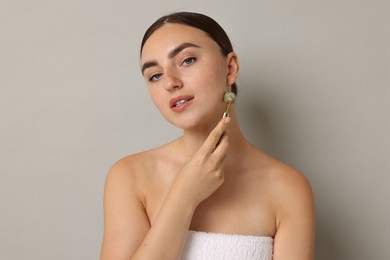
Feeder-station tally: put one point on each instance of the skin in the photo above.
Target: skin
(203, 180)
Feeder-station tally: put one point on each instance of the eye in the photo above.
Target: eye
(189, 61)
(155, 77)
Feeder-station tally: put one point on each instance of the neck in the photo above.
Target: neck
(193, 139)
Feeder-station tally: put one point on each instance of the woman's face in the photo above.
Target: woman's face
(187, 75)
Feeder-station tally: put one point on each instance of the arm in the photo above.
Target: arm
(127, 232)
(125, 220)
(294, 238)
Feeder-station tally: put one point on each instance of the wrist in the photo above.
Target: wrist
(182, 202)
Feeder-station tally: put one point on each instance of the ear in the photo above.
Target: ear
(233, 68)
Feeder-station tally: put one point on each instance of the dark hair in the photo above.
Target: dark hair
(199, 21)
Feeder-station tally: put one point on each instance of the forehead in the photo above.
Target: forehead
(171, 35)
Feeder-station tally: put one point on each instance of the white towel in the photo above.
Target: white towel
(215, 246)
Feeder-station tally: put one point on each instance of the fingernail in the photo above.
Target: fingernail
(226, 120)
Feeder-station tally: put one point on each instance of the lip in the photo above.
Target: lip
(177, 99)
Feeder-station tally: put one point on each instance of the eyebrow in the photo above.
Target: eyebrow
(171, 55)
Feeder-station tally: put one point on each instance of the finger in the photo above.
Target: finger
(221, 150)
(214, 137)
(219, 141)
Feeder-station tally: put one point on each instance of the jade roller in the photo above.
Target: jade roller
(229, 98)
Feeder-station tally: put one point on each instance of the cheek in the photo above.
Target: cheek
(208, 75)
(157, 98)
(217, 71)
(216, 82)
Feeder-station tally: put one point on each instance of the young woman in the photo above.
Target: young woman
(209, 194)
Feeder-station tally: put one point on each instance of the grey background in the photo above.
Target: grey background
(314, 92)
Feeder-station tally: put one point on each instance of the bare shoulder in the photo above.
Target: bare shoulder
(289, 189)
(125, 220)
(129, 166)
(132, 169)
(124, 180)
(293, 205)
(137, 170)
(285, 180)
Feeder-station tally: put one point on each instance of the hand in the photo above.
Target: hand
(203, 173)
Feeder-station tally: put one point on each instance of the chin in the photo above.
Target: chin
(193, 122)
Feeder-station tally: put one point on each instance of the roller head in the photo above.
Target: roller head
(229, 97)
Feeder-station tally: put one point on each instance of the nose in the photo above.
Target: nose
(172, 81)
